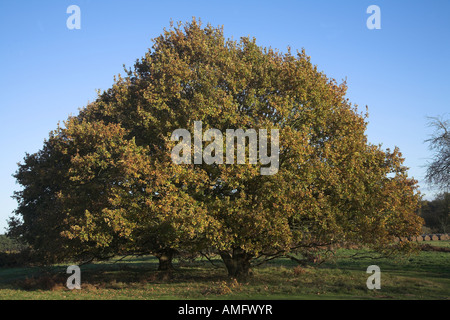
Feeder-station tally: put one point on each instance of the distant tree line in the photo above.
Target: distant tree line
(436, 213)
(10, 245)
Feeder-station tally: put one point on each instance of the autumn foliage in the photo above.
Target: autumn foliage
(105, 184)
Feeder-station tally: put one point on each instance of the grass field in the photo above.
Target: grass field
(422, 276)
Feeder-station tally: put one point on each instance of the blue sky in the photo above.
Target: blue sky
(401, 72)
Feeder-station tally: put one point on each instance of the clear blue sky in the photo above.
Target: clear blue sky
(402, 72)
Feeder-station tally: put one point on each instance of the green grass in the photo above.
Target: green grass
(422, 276)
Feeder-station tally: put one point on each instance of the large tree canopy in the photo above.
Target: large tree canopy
(107, 183)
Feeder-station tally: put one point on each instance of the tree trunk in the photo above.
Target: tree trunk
(165, 260)
(237, 263)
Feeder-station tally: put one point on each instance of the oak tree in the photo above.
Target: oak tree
(332, 185)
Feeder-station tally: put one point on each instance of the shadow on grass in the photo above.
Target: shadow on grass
(418, 276)
(110, 275)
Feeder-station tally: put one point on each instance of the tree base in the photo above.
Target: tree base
(237, 263)
(165, 258)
